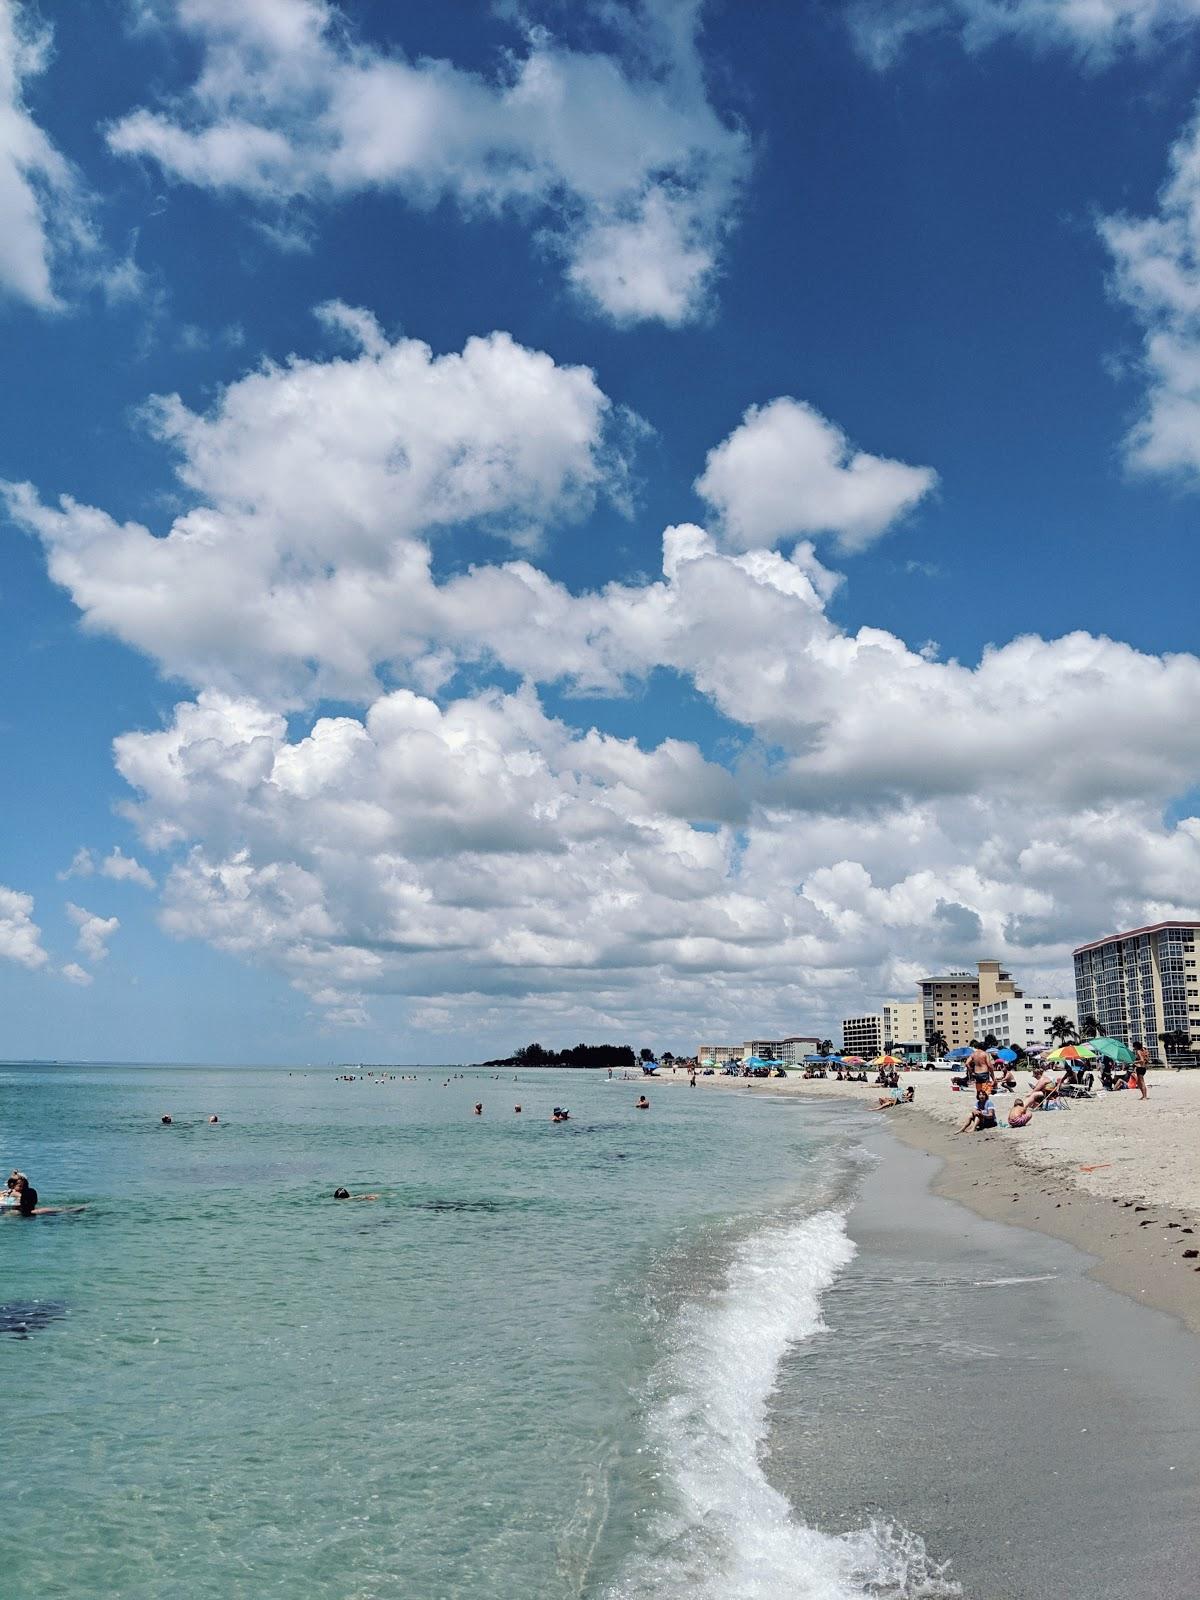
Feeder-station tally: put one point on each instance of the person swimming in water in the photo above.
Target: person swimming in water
(642, 1103)
(560, 1114)
(479, 1108)
(344, 1194)
(27, 1200)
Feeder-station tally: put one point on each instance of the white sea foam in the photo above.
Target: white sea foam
(1007, 1283)
(730, 1535)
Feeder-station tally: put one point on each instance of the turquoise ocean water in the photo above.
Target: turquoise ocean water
(540, 1365)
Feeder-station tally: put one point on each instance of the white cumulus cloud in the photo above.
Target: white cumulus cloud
(787, 471)
(126, 869)
(76, 974)
(94, 931)
(1157, 274)
(305, 563)
(620, 153)
(20, 936)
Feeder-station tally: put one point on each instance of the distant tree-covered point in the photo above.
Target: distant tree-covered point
(578, 1055)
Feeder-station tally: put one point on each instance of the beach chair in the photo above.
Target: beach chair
(1081, 1090)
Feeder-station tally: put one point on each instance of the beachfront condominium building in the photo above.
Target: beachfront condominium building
(903, 1025)
(1024, 1021)
(895, 1026)
(790, 1051)
(796, 1046)
(1142, 984)
(862, 1036)
(717, 1055)
(948, 1002)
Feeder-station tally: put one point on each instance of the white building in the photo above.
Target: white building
(795, 1047)
(1023, 1020)
(897, 1025)
(764, 1049)
(863, 1036)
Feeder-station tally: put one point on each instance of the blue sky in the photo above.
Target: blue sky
(569, 796)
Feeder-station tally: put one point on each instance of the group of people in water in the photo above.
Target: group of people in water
(561, 1113)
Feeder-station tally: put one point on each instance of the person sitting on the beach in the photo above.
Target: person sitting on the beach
(1046, 1085)
(983, 1116)
(898, 1097)
(1019, 1115)
(642, 1103)
(1008, 1081)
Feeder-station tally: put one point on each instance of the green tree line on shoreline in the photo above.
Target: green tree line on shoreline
(578, 1055)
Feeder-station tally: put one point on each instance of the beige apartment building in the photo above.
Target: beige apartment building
(948, 1002)
(897, 1025)
(903, 1025)
(717, 1055)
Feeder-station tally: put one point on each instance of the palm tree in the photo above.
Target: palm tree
(1174, 1041)
(1089, 1028)
(990, 1041)
(1062, 1029)
(937, 1044)
(825, 1048)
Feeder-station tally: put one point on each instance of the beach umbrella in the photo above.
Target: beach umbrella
(852, 1061)
(960, 1054)
(1070, 1052)
(887, 1061)
(1005, 1054)
(1113, 1049)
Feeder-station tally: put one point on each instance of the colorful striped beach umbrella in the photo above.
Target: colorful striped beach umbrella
(887, 1061)
(1070, 1052)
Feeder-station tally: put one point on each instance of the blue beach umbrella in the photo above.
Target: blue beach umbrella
(960, 1054)
(1005, 1054)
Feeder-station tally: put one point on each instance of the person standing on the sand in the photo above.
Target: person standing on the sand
(1137, 1072)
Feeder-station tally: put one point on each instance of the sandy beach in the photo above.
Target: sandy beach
(1117, 1177)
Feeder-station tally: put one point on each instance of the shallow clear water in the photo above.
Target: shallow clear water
(538, 1365)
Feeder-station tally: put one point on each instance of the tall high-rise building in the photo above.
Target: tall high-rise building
(1141, 984)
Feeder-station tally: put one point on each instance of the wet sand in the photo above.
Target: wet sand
(978, 1385)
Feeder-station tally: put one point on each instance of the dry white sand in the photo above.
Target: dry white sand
(1117, 1145)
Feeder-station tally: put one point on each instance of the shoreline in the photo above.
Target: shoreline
(1125, 1193)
